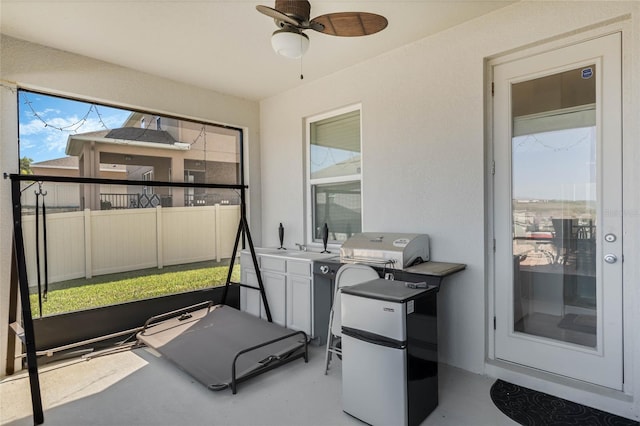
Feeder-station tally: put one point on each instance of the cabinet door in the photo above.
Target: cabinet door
(249, 298)
(275, 288)
(299, 304)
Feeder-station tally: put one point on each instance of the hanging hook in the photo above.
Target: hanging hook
(40, 191)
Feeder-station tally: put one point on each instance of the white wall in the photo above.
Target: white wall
(42, 68)
(423, 154)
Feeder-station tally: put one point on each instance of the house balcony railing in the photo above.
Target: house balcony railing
(133, 201)
(211, 199)
(110, 201)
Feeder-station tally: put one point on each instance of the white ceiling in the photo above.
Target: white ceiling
(223, 45)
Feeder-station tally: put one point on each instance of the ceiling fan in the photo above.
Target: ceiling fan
(292, 18)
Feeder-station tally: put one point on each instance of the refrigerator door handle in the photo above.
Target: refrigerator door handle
(373, 338)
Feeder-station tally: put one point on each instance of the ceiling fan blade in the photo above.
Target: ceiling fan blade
(313, 25)
(350, 24)
(277, 15)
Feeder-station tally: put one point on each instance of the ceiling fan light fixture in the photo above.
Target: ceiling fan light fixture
(290, 43)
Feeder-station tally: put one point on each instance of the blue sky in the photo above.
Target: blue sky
(41, 117)
(557, 165)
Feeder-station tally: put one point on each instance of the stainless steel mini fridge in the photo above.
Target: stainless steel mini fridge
(389, 352)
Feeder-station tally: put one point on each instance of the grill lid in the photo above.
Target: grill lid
(394, 250)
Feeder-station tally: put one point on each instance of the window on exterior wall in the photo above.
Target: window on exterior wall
(334, 174)
(148, 176)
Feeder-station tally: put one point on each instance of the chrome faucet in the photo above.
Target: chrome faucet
(301, 247)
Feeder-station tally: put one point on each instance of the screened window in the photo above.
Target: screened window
(334, 178)
(145, 240)
(73, 138)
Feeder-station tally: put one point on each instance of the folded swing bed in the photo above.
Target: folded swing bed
(219, 345)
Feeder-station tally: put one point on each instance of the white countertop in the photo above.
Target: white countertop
(291, 254)
(439, 269)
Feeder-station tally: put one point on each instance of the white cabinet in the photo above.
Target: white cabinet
(275, 289)
(299, 312)
(249, 299)
(274, 280)
(299, 296)
(288, 285)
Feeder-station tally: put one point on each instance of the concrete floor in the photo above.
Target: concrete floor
(139, 388)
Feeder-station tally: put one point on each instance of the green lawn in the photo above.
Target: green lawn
(112, 289)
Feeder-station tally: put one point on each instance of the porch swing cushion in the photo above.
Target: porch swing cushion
(224, 346)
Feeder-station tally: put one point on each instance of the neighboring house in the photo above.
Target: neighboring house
(148, 154)
(65, 196)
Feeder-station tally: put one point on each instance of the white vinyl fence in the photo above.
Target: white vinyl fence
(89, 243)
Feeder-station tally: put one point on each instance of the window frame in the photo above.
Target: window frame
(311, 183)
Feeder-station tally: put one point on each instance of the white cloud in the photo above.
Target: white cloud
(44, 133)
(32, 127)
(48, 111)
(44, 140)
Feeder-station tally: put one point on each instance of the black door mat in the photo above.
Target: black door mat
(533, 408)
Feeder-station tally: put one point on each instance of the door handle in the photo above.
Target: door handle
(610, 258)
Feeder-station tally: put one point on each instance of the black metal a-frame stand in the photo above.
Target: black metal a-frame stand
(243, 227)
(27, 318)
(27, 334)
